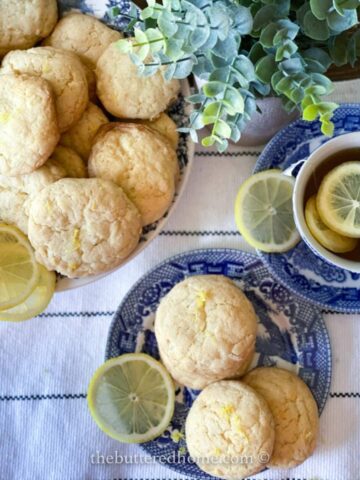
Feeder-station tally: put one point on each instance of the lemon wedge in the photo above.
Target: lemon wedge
(132, 398)
(327, 238)
(19, 272)
(36, 303)
(338, 199)
(264, 212)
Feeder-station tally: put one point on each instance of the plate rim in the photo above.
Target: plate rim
(260, 167)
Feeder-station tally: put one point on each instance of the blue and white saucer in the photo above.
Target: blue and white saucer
(301, 270)
(291, 333)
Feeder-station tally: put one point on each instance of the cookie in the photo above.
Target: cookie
(81, 227)
(84, 35)
(295, 413)
(125, 94)
(205, 328)
(28, 124)
(141, 161)
(70, 161)
(65, 74)
(80, 136)
(24, 22)
(230, 431)
(16, 193)
(166, 126)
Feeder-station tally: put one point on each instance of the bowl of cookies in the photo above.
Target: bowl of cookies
(91, 160)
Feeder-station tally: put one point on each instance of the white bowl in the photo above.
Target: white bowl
(179, 112)
(342, 142)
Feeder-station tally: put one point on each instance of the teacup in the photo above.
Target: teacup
(340, 143)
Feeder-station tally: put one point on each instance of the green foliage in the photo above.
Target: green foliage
(245, 49)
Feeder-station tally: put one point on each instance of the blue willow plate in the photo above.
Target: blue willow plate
(179, 112)
(301, 270)
(291, 334)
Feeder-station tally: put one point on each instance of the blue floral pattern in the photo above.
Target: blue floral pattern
(300, 269)
(291, 333)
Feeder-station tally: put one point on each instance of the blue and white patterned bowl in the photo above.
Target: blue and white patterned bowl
(179, 112)
(291, 333)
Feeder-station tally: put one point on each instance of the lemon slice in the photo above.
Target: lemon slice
(131, 398)
(19, 272)
(338, 199)
(264, 212)
(36, 303)
(327, 238)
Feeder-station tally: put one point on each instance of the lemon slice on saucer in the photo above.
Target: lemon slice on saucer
(132, 398)
(37, 301)
(19, 272)
(327, 238)
(264, 212)
(338, 199)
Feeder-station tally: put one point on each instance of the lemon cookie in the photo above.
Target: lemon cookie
(24, 22)
(166, 126)
(141, 161)
(295, 413)
(230, 431)
(16, 193)
(80, 136)
(82, 227)
(28, 123)
(65, 74)
(125, 94)
(70, 161)
(84, 35)
(205, 328)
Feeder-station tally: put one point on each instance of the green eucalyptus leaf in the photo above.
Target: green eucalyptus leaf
(321, 8)
(347, 4)
(169, 71)
(222, 129)
(212, 109)
(340, 23)
(315, 28)
(199, 37)
(267, 35)
(292, 65)
(311, 112)
(235, 99)
(208, 141)
(243, 20)
(229, 47)
(265, 68)
(256, 52)
(317, 59)
(327, 128)
(183, 68)
(173, 48)
(265, 15)
(167, 24)
(212, 89)
(338, 48)
(287, 49)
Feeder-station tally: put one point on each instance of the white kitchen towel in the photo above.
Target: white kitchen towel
(46, 432)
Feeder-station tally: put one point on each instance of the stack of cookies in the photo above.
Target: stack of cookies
(74, 107)
(205, 328)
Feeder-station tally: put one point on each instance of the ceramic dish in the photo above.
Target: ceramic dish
(300, 269)
(179, 112)
(291, 333)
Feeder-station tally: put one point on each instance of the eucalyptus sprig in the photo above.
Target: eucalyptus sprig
(243, 50)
